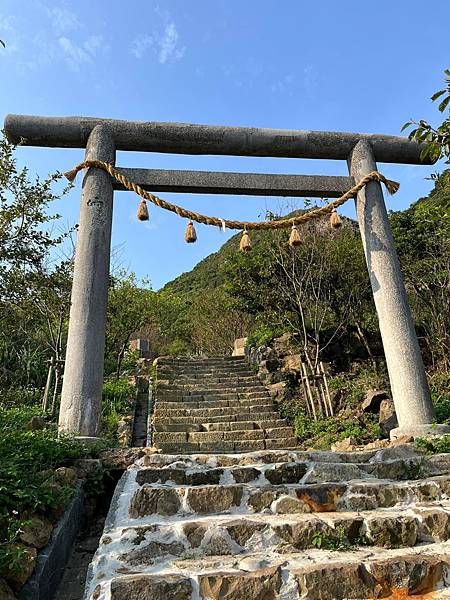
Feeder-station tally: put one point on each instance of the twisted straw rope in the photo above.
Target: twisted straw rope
(315, 213)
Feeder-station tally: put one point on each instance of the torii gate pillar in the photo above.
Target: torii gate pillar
(83, 376)
(407, 377)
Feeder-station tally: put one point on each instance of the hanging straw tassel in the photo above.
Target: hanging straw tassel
(335, 219)
(70, 175)
(294, 238)
(245, 245)
(142, 211)
(190, 235)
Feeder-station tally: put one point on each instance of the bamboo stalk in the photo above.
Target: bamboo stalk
(326, 387)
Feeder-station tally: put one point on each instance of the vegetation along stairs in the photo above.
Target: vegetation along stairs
(204, 521)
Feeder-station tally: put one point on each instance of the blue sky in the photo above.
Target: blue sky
(343, 66)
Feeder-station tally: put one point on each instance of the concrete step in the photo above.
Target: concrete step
(197, 396)
(225, 403)
(236, 435)
(272, 416)
(244, 445)
(163, 425)
(312, 575)
(205, 413)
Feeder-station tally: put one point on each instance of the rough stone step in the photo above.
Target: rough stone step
(286, 534)
(280, 499)
(272, 416)
(225, 403)
(236, 435)
(201, 362)
(162, 425)
(216, 377)
(311, 575)
(205, 391)
(226, 446)
(305, 472)
(214, 412)
(193, 396)
(225, 368)
(204, 387)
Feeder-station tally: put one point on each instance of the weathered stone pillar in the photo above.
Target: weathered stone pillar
(404, 362)
(83, 374)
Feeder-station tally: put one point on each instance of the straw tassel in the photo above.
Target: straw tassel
(294, 238)
(190, 235)
(142, 211)
(70, 175)
(245, 245)
(335, 219)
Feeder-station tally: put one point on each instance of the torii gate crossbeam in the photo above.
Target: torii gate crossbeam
(83, 376)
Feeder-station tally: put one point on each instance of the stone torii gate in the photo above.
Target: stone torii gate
(83, 376)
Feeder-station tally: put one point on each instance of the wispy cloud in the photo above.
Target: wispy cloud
(76, 54)
(170, 51)
(164, 44)
(141, 44)
(283, 85)
(62, 19)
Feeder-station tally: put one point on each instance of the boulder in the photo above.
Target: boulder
(387, 417)
(373, 400)
(284, 344)
(15, 579)
(65, 476)
(36, 532)
(36, 423)
(292, 362)
(346, 445)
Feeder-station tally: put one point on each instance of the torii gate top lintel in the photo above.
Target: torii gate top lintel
(185, 138)
(83, 375)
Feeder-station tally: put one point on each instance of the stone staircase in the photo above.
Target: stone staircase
(278, 524)
(215, 405)
(204, 521)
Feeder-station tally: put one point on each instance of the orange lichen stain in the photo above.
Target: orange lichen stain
(403, 594)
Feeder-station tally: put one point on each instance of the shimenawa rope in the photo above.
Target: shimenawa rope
(330, 208)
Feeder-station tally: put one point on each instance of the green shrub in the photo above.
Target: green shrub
(263, 335)
(27, 482)
(328, 430)
(118, 401)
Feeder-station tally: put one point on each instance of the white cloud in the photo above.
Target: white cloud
(169, 49)
(141, 44)
(62, 19)
(165, 46)
(78, 54)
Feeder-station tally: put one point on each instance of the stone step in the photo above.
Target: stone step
(225, 403)
(220, 368)
(287, 534)
(244, 445)
(236, 435)
(201, 362)
(293, 472)
(272, 416)
(205, 413)
(311, 575)
(213, 378)
(203, 390)
(202, 395)
(281, 499)
(162, 425)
